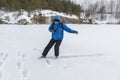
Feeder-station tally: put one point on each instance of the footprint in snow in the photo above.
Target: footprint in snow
(25, 72)
(3, 57)
(0, 74)
(21, 64)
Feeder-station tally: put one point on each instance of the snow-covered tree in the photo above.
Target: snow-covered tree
(117, 10)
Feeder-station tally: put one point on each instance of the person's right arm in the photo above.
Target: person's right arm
(51, 29)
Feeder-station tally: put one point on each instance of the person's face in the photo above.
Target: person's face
(56, 21)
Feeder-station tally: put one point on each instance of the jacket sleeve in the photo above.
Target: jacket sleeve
(50, 28)
(67, 29)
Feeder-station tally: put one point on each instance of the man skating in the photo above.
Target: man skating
(57, 29)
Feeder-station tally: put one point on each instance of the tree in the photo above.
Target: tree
(117, 11)
(102, 10)
(111, 7)
(65, 6)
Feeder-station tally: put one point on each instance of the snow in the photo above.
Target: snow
(48, 13)
(93, 54)
(14, 16)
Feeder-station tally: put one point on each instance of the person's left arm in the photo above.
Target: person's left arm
(66, 28)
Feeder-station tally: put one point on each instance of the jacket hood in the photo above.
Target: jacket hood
(56, 18)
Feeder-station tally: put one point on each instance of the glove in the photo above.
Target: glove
(76, 32)
(53, 31)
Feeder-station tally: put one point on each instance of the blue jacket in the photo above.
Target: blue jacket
(59, 29)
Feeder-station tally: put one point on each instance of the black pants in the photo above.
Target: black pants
(49, 46)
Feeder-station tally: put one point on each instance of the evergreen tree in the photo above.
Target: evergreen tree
(65, 6)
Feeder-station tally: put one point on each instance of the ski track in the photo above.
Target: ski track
(36, 49)
(68, 61)
(62, 62)
(3, 57)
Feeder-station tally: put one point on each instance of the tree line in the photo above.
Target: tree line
(102, 8)
(65, 6)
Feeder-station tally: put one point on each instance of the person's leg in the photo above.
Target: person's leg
(56, 47)
(48, 47)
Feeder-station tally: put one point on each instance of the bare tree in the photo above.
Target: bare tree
(102, 10)
(93, 9)
(117, 10)
(111, 7)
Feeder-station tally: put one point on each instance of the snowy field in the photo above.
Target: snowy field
(93, 54)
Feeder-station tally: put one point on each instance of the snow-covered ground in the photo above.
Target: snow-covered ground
(14, 16)
(93, 54)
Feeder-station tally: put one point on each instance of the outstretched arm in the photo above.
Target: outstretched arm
(66, 28)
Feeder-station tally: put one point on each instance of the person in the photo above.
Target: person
(57, 29)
